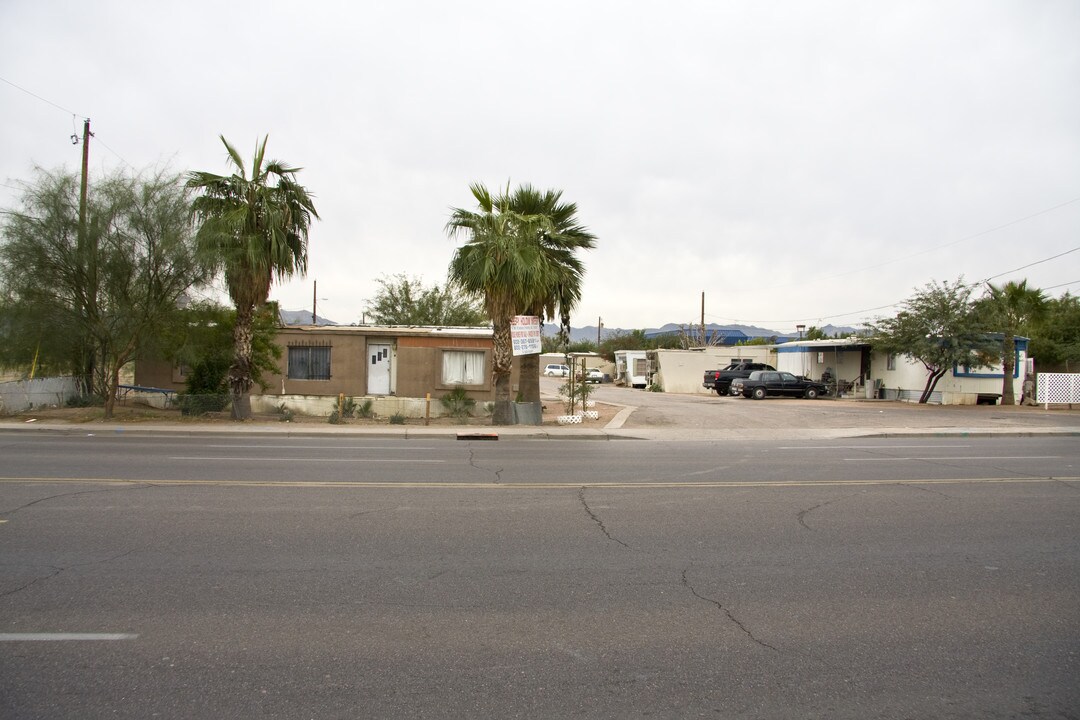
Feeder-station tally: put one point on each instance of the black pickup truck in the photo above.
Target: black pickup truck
(720, 380)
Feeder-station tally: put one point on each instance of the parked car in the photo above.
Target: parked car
(594, 376)
(762, 383)
(557, 371)
(721, 380)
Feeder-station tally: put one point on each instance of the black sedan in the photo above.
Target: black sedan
(771, 382)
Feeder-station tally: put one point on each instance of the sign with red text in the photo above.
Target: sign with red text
(525, 334)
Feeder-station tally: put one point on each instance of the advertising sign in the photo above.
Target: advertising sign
(525, 334)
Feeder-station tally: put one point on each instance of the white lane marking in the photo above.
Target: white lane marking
(868, 447)
(307, 460)
(50, 637)
(958, 457)
(320, 447)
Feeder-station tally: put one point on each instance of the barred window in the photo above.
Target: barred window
(309, 363)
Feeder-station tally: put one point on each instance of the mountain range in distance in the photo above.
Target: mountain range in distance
(750, 331)
(578, 334)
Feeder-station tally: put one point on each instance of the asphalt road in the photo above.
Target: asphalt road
(371, 577)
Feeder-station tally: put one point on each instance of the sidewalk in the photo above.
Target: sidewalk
(1067, 425)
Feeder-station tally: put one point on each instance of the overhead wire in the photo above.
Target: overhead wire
(75, 130)
(923, 252)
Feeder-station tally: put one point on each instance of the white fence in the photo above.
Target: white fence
(1057, 388)
(25, 394)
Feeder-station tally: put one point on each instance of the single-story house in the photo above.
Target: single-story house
(862, 372)
(396, 366)
(851, 362)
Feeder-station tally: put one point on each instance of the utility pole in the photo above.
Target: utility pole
(87, 260)
(314, 299)
(82, 189)
(703, 343)
(599, 325)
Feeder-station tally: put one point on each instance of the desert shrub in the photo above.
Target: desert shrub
(397, 419)
(458, 403)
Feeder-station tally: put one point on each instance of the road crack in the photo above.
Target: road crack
(140, 486)
(57, 570)
(735, 621)
(596, 519)
(472, 463)
(801, 516)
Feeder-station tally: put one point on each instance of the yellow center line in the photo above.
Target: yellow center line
(643, 485)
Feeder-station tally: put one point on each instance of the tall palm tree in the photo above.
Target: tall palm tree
(254, 228)
(1011, 307)
(559, 238)
(511, 260)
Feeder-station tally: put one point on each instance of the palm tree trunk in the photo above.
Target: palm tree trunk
(240, 372)
(1008, 364)
(529, 378)
(502, 413)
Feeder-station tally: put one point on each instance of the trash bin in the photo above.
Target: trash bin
(872, 389)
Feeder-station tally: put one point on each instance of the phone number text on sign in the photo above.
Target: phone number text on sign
(525, 334)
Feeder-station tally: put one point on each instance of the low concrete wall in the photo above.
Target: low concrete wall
(382, 406)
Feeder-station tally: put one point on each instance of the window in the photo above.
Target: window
(463, 367)
(309, 363)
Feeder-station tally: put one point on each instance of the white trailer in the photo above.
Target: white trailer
(631, 368)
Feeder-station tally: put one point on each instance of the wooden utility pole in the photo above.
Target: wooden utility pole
(314, 299)
(82, 189)
(87, 260)
(703, 343)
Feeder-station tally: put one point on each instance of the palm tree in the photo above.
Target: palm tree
(254, 228)
(517, 260)
(559, 239)
(1011, 307)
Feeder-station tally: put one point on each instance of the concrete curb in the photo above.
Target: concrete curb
(612, 431)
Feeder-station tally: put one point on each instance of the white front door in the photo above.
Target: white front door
(378, 379)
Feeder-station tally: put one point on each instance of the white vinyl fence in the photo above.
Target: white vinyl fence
(25, 394)
(1057, 388)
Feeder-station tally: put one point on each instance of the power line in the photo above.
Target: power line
(864, 268)
(50, 102)
(1037, 262)
(883, 307)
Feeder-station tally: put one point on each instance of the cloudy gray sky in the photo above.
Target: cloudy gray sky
(798, 162)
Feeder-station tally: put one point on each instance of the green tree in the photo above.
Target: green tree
(200, 339)
(508, 260)
(1055, 338)
(254, 229)
(624, 340)
(940, 327)
(1010, 309)
(815, 333)
(560, 236)
(88, 306)
(403, 300)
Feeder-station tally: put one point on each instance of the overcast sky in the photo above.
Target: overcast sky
(798, 162)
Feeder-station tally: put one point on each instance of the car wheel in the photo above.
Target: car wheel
(811, 393)
(759, 393)
(720, 392)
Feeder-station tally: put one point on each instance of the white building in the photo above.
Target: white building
(861, 372)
